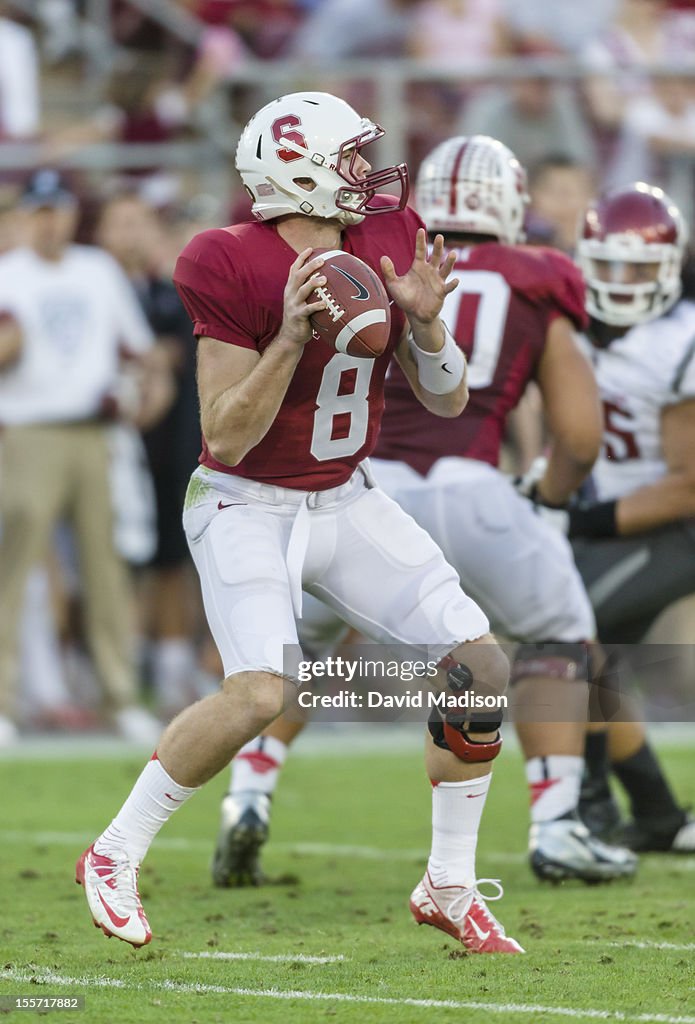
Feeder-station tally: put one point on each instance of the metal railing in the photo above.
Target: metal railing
(389, 84)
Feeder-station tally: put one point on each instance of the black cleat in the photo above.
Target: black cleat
(243, 831)
(675, 836)
(599, 811)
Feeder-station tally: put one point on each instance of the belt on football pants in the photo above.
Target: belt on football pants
(301, 529)
(305, 501)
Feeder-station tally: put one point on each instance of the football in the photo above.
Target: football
(357, 318)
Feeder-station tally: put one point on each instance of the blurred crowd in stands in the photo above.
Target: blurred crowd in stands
(578, 90)
(178, 70)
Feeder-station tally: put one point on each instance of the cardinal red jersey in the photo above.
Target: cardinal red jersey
(231, 281)
(500, 313)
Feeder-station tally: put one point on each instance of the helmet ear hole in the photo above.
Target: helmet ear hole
(308, 184)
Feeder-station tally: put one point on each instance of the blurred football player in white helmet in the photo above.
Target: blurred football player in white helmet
(635, 543)
(514, 315)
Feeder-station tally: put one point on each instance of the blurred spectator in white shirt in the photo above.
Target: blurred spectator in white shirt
(76, 316)
(19, 80)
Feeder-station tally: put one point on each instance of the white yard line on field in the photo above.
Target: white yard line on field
(352, 739)
(685, 947)
(279, 958)
(44, 976)
(174, 843)
(171, 844)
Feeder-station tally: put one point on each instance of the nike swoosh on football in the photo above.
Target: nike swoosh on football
(119, 922)
(481, 935)
(362, 292)
(231, 504)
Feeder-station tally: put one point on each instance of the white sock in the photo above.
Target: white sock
(152, 800)
(554, 783)
(257, 766)
(457, 808)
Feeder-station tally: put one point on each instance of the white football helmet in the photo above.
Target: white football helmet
(475, 185)
(306, 136)
(630, 252)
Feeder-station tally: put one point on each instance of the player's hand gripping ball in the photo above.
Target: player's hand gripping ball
(357, 317)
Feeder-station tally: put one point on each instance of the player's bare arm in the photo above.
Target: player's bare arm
(10, 342)
(240, 390)
(420, 293)
(573, 413)
(673, 496)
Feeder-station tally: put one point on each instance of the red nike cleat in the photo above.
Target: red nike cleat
(462, 913)
(111, 887)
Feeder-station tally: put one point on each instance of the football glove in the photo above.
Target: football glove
(556, 516)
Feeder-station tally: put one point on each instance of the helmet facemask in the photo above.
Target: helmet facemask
(631, 289)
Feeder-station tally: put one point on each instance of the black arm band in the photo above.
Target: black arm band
(593, 520)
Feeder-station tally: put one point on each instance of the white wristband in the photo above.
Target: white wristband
(439, 372)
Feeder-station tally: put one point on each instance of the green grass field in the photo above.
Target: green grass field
(350, 838)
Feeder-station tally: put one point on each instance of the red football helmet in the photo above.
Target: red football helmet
(630, 252)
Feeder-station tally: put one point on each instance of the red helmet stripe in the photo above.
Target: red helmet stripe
(454, 177)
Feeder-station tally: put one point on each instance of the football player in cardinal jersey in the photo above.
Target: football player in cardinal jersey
(514, 315)
(635, 544)
(282, 500)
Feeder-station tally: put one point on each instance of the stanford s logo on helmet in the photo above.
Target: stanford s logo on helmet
(305, 137)
(630, 252)
(473, 185)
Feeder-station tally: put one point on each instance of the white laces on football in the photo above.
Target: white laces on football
(461, 903)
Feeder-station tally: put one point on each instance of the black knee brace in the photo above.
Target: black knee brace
(453, 730)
